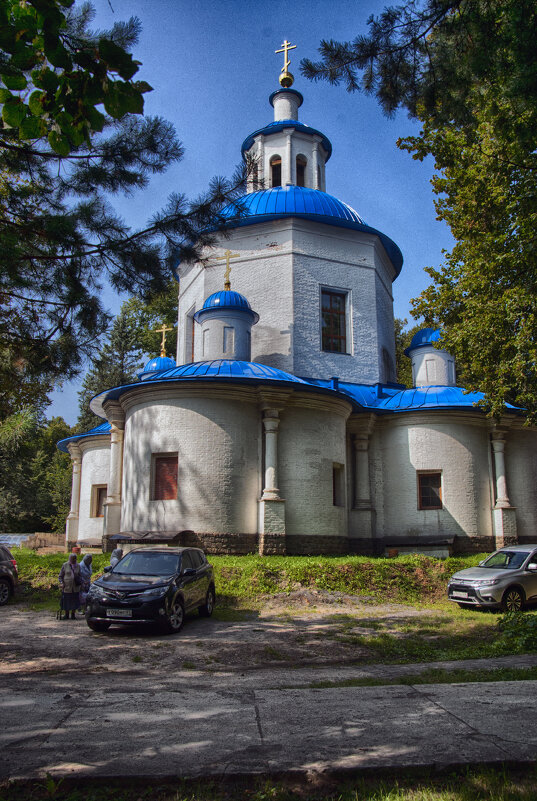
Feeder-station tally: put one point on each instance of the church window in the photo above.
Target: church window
(98, 497)
(276, 171)
(164, 477)
(190, 331)
(204, 343)
(333, 321)
(429, 490)
(430, 371)
(301, 170)
(338, 487)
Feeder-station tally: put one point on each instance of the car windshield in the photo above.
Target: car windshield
(148, 564)
(508, 560)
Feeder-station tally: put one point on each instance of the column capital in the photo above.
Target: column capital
(361, 424)
(114, 414)
(74, 452)
(271, 423)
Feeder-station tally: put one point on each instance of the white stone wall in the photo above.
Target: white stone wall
(456, 446)
(521, 474)
(95, 470)
(310, 442)
(281, 269)
(217, 437)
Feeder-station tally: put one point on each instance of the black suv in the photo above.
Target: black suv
(152, 585)
(9, 575)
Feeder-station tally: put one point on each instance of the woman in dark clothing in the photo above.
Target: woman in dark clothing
(70, 582)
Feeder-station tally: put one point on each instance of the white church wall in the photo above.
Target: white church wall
(342, 260)
(521, 473)
(456, 447)
(311, 442)
(95, 472)
(217, 438)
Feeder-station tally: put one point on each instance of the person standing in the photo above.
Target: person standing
(85, 577)
(70, 583)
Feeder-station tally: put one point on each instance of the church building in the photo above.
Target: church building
(279, 427)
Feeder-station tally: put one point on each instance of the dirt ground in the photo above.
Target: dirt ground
(305, 628)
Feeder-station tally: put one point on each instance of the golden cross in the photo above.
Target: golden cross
(163, 343)
(227, 256)
(286, 46)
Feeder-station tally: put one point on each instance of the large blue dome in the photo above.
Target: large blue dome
(310, 204)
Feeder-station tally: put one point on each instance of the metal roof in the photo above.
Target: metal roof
(279, 125)
(424, 337)
(226, 299)
(103, 428)
(309, 204)
(156, 365)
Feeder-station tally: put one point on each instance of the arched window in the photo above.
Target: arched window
(276, 171)
(301, 162)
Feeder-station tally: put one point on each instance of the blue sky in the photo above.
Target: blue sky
(213, 66)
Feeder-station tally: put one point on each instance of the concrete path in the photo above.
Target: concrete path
(194, 724)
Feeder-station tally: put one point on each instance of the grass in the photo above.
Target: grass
(470, 784)
(411, 578)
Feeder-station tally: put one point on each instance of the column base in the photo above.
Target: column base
(271, 526)
(112, 518)
(71, 529)
(362, 522)
(505, 528)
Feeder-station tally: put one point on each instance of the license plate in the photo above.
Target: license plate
(457, 594)
(119, 613)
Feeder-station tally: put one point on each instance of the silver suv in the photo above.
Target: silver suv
(506, 579)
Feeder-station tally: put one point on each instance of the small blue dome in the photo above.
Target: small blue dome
(424, 337)
(226, 299)
(156, 365)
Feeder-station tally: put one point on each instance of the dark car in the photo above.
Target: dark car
(9, 575)
(152, 585)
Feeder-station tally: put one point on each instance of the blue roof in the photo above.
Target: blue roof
(309, 204)
(424, 337)
(103, 428)
(156, 365)
(279, 125)
(226, 299)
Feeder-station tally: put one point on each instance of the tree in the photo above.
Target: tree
(403, 338)
(71, 135)
(468, 71)
(35, 478)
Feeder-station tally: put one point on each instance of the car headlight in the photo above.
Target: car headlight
(156, 592)
(485, 582)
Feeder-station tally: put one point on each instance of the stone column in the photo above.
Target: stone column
(271, 423)
(289, 167)
(112, 505)
(315, 163)
(504, 515)
(362, 486)
(71, 527)
(271, 505)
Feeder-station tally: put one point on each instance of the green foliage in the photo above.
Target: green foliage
(518, 631)
(71, 137)
(468, 72)
(35, 478)
(403, 338)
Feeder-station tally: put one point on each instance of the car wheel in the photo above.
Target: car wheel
(5, 591)
(176, 617)
(513, 600)
(206, 609)
(98, 625)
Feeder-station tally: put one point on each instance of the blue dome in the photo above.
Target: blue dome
(279, 125)
(424, 337)
(226, 299)
(309, 204)
(156, 365)
(103, 428)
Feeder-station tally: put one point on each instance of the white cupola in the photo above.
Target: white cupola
(226, 321)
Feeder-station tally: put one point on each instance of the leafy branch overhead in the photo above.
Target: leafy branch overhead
(467, 70)
(54, 77)
(72, 136)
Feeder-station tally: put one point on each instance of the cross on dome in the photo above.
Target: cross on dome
(227, 256)
(162, 331)
(286, 78)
